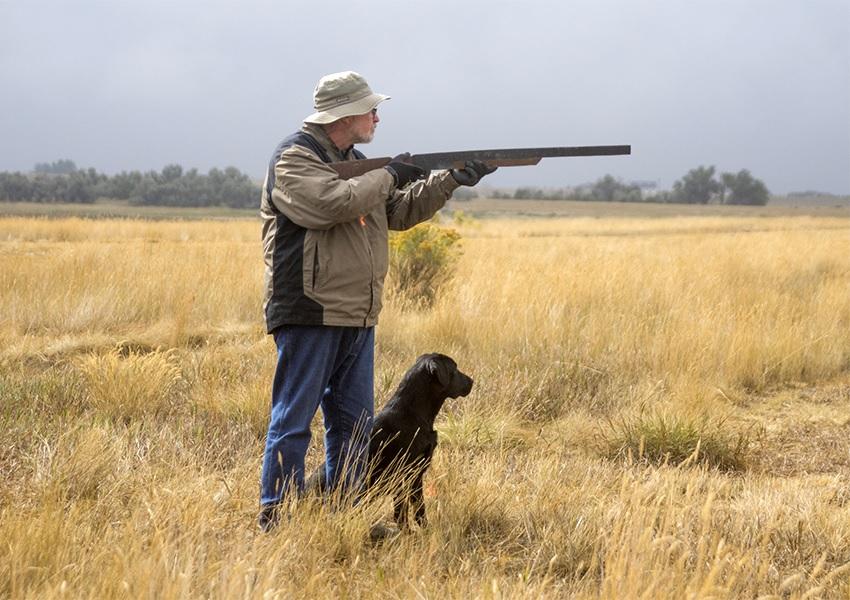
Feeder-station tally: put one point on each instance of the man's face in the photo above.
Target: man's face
(363, 127)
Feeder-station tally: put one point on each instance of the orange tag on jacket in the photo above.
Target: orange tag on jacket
(362, 221)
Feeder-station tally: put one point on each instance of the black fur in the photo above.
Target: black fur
(403, 437)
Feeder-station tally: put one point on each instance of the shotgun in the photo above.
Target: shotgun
(502, 157)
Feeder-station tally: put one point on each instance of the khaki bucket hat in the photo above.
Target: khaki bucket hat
(341, 95)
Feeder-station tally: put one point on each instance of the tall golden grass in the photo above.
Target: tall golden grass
(134, 377)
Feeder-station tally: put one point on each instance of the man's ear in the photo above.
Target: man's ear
(438, 370)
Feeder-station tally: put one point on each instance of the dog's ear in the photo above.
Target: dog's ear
(438, 369)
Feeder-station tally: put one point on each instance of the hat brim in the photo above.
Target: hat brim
(359, 107)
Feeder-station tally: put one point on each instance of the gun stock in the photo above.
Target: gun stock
(354, 168)
(504, 157)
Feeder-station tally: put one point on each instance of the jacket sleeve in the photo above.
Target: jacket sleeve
(312, 195)
(419, 202)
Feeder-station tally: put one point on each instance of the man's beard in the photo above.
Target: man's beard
(365, 138)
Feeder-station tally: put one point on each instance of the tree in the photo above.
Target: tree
(610, 189)
(605, 188)
(15, 187)
(78, 188)
(171, 173)
(698, 186)
(528, 193)
(59, 167)
(744, 189)
(120, 186)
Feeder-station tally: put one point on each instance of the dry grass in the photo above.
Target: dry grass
(133, 402)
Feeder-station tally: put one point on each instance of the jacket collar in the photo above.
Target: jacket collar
(318, 133)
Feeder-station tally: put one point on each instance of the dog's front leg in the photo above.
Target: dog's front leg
(401, 508)
(418, 501)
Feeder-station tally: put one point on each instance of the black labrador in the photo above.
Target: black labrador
(403, 437)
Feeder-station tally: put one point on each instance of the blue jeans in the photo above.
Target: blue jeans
(331, 367)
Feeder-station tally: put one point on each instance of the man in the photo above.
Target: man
(326, 255)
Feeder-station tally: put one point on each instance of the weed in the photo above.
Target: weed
(131, 387)
(669, 439)
(422, 262)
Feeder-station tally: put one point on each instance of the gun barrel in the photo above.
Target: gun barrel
(501, 157)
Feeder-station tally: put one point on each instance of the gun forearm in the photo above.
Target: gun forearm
(504, 157)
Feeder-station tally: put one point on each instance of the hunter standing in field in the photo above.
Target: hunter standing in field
(326, 255)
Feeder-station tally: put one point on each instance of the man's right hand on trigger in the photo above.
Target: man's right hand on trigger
(404, 172)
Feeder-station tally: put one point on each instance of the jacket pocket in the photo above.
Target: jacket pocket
(315, 282)
(310, 265)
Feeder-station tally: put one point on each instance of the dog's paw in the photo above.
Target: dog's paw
(380, 532)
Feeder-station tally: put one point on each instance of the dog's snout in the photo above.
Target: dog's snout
(463, 384)
(467, 387)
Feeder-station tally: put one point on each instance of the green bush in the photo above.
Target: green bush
(422, 262)
(666, 439)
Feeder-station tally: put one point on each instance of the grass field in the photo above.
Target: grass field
(661, 410)
(820, 206)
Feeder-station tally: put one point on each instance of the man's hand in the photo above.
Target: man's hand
(403, 172)
(472, 172)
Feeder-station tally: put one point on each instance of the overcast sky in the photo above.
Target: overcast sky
(120, 85)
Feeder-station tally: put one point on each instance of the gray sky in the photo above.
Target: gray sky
(119, 85)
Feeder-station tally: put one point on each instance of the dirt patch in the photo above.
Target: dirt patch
(799, 429)
(804, 448)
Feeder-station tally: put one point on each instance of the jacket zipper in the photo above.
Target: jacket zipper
(371, 271)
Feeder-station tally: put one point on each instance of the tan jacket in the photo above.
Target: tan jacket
(325, 238)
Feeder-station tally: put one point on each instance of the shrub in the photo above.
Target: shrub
(659, 439)
(132, 387)
(461, 218)
(422, 262)
(84, 462)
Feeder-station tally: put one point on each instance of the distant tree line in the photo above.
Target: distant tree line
(812, 194)
(697, 186)
(605, 189)
(61, 181)
(59, 167)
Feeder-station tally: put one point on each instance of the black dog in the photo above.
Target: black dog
(403, 437)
